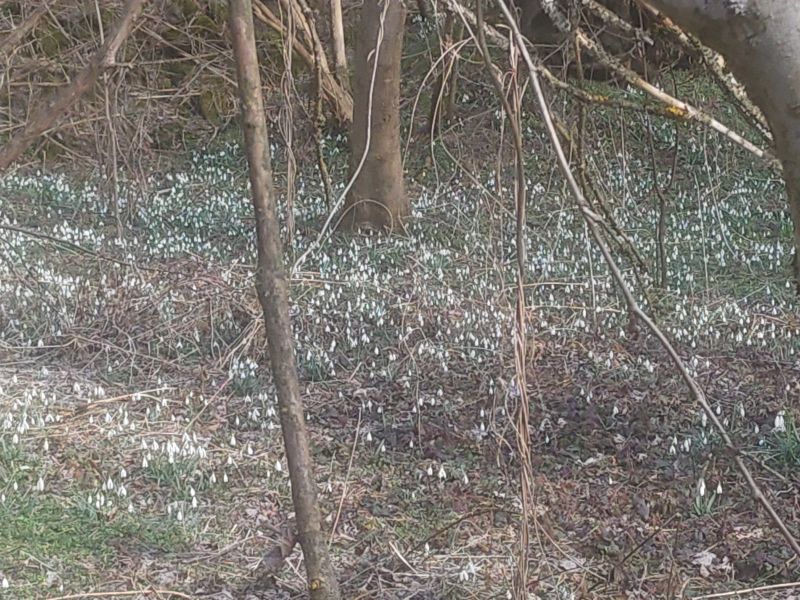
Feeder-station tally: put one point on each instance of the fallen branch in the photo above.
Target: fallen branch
(139, 593)
(679, 107)
(20, 31)
(313, 55)
(48, 113)
(715, 64)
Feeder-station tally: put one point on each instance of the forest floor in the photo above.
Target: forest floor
(139, 444)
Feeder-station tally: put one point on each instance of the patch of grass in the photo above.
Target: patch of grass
(786, 443)
(71, 533)
(178, 475)
(15, 465)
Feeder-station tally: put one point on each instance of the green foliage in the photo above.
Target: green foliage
(71, 533)
(785, 442)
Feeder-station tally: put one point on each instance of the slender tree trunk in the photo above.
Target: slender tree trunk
(273, 294)
(377, 198)
(312, 54)
(452, 87)
(438, 110)
(337, 38)
(760, 41)
(46, 115)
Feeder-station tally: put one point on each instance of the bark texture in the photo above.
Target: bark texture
(760, 41)
(273, 294)
(337, 39)
(46, 115)
(377, 198)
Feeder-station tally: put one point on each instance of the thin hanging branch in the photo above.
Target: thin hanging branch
(512, 110)
(286, 122)
(593, 222)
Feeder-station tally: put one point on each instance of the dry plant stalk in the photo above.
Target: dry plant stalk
(513, 111)
(311, 51)
(46, 115)
(273, 293)
(593, 221)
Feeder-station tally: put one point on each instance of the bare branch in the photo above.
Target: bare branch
(49, 112)
(592, 222)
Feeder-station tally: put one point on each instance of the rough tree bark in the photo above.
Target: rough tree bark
(377, 198)
(49, 112)
(273, 294)
(337, 39)
(760, 41)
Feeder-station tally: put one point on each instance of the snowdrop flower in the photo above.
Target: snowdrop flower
(780, 422)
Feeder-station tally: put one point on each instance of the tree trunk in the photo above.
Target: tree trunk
(377, 198)
(760, 41)
(439, 100)
(273, 294)
(337, 39)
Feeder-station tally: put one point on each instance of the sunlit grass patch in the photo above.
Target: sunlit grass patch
(74, 541)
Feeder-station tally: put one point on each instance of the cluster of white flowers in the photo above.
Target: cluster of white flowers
(404, 308)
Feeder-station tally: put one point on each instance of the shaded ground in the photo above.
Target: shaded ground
(139, 446)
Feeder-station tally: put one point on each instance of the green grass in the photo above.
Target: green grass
(73, 536)
(786, 444)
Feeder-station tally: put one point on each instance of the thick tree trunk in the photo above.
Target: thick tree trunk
(760, 41)
(377, 198)
(273, 294)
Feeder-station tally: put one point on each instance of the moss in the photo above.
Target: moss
(214, 101)
(50, 39)
(178, 71)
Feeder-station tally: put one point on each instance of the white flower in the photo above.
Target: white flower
(701, 487)
(780, 422)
